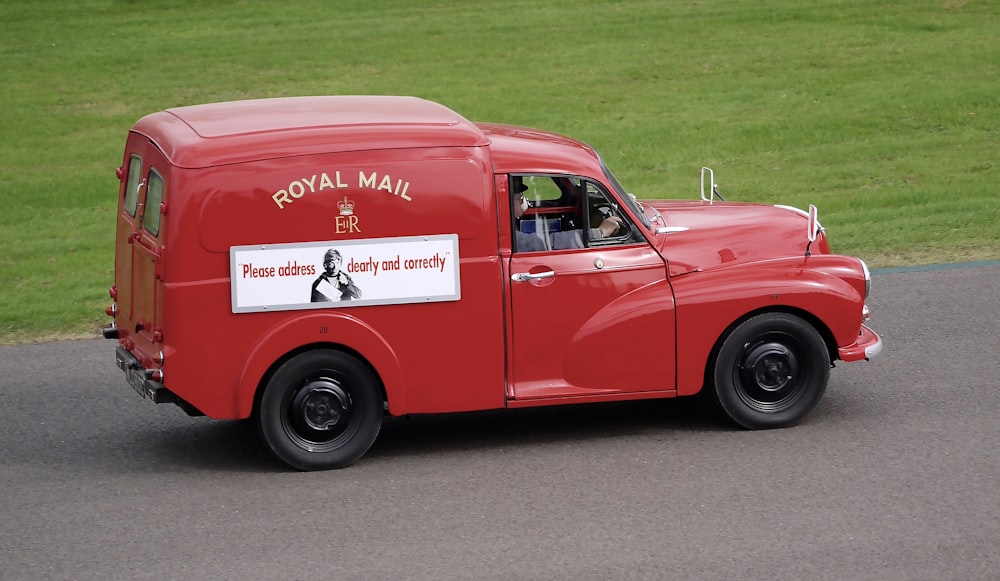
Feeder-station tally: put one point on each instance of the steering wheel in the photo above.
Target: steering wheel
(602, 212)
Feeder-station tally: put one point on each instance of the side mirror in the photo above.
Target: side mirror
(813, 222)
(812, 225)
(711, 185)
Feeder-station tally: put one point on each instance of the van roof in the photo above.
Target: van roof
(239, 131)
(523, 149)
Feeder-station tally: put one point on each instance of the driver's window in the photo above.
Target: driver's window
(559, 212)
(546, 213)
(607, 222)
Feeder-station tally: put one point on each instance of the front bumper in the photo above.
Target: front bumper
(867, 346)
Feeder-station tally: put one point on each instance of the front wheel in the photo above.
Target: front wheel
(320, 410)
(771, 371)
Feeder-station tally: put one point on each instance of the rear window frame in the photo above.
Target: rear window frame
(133, 183)
(154, 198)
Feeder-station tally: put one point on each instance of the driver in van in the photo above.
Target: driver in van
(526, 242)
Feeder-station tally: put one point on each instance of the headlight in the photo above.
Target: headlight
(868, 277)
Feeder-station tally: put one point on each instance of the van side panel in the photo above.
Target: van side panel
(215, 359)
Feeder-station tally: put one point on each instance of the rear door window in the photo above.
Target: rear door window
(154, 196)
(133, 183)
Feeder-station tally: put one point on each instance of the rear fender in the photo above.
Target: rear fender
(319, 330)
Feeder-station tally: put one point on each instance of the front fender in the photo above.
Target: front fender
(649, 307)
(821, 288)
(320, 329)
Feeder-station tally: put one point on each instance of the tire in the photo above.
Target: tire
(320, 410)
(771, 371)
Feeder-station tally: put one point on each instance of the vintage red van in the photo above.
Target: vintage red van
(315, 263)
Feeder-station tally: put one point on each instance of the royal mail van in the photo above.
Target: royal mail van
(316, 263)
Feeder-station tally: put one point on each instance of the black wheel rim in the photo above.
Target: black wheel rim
(770, 375)
(320, 415)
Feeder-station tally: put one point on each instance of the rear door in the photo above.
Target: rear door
(133, 183)
(139, 246)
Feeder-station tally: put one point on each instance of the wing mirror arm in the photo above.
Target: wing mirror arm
(811, 227)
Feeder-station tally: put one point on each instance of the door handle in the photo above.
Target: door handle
(523, 276)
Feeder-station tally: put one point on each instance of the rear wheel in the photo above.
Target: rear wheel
(321, 409)
(771, 371)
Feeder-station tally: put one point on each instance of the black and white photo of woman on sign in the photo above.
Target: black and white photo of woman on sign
(334, 284)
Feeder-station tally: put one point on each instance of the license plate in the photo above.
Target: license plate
(137, 379)
(134, 374)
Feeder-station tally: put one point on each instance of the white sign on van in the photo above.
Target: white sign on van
(344, 273)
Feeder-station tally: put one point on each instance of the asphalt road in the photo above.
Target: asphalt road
(895, 476)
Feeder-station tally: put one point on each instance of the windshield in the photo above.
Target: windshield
(626, 197)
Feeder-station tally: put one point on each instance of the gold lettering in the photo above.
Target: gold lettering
(386, 184)
(347, 224)
(300, 187)
(402, 194)
(281, 198)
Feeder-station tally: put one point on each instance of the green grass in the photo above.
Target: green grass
(885, 115)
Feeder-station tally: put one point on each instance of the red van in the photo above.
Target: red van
(315, 263)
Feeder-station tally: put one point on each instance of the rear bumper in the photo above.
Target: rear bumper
(137, 377)
(867, 346)
(110, 331)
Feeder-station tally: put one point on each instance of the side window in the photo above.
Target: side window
(154, 196)
(132, 185)
(558, 212)
(608, 224)
(546, 213)
(542, 191)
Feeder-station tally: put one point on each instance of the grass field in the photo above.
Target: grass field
(885, 115)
